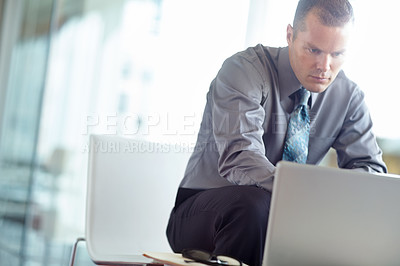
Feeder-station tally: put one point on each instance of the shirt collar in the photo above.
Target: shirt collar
(288, 82)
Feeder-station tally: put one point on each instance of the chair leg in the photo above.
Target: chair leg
(73, 252)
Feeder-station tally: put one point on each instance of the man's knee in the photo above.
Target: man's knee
(234, 210)
(251, 203)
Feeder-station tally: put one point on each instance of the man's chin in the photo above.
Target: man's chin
(317, 88)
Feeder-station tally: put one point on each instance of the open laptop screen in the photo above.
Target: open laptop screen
(330, 216)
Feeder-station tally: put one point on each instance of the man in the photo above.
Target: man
(223, 201)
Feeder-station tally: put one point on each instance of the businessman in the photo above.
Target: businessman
(265, 105)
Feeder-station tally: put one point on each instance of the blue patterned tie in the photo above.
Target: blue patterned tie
(297, 135)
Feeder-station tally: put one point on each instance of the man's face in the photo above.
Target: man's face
(317, 54)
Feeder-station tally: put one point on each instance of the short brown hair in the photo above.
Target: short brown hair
(332, 13)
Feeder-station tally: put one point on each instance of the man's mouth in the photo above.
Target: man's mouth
(320, 79)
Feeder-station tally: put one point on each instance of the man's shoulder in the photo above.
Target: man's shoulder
(260, 52)
(346, 83)
(260, 58)
(344, 88)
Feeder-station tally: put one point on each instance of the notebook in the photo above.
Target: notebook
(329, 216)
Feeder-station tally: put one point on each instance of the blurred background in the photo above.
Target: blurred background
(70, 68)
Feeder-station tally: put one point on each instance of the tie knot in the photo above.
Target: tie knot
(303, 96)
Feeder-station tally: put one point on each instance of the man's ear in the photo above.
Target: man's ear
(289, 34)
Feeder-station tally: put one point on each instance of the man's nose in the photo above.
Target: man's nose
(324, 62)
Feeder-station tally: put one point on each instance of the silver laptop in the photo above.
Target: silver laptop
(329, 216)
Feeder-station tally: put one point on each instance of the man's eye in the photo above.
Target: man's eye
(337, 54)
(313, 51)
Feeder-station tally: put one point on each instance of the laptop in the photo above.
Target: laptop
(330, 216)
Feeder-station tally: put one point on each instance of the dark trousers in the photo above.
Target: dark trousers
(228, 221)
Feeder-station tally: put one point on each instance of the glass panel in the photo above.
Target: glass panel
(20, 122)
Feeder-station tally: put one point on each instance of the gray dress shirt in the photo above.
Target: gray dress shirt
(244, 123)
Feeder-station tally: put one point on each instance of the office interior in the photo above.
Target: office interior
(136, 68)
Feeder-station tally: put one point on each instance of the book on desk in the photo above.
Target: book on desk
(173, 259)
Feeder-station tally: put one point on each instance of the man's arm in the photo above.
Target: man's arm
(238, 119)
(356, 144)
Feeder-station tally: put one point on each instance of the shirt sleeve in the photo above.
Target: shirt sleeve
(356, 144)
(238, 124)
